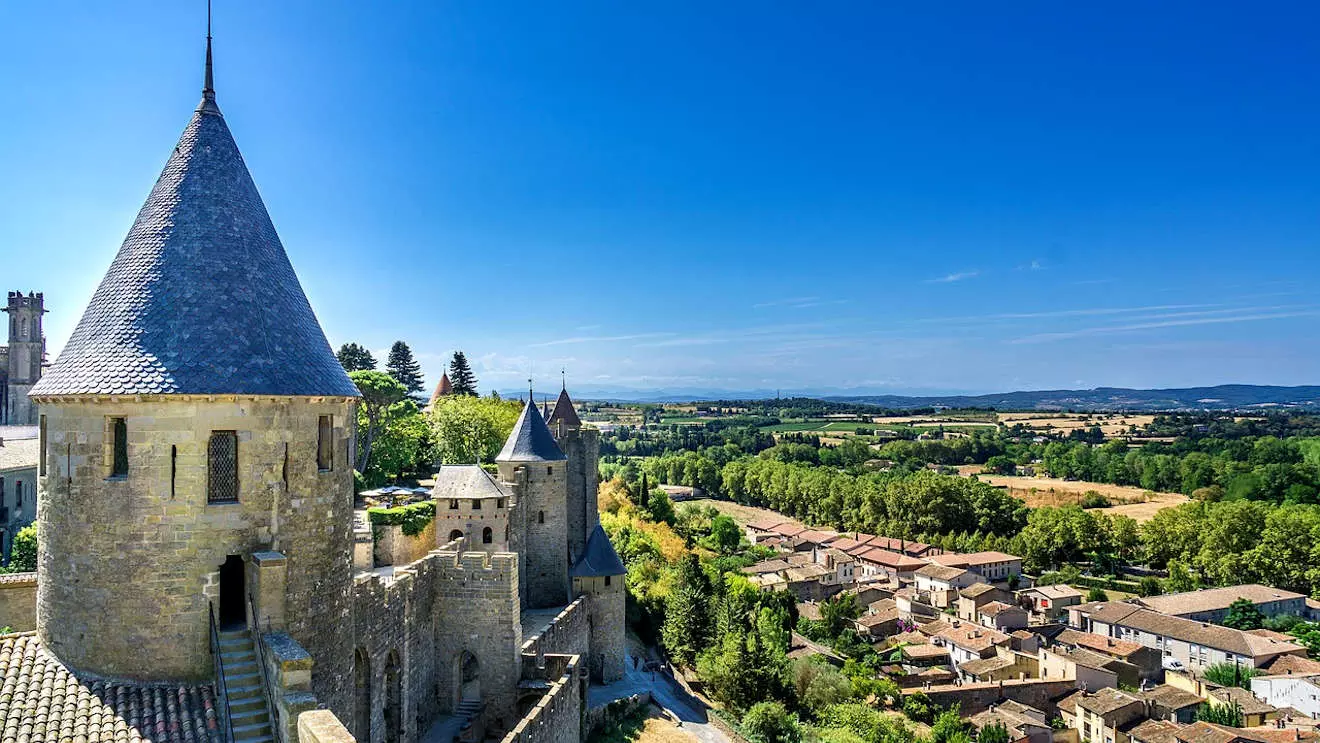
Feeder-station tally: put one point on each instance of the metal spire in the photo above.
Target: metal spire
(208, 104)
(563, 378)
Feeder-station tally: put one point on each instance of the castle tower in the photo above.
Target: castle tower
(27, 352)
(533, 466)
(581, 447)
(599, 573)
(196, 416)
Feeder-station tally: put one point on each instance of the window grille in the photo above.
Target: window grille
(222, 467)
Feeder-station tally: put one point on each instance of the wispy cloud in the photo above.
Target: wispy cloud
(798, 303)
(1210, 319)
(1034, 265)
(950, 278)
(1079, 312)
(598, 339)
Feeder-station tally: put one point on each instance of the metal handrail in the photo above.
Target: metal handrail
(259, 642)
(226, 726)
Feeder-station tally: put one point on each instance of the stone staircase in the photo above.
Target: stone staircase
(248, 716)
(468, 711)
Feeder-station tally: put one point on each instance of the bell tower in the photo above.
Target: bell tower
(27, 352)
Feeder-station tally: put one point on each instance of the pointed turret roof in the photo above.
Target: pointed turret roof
(564, 411)
(531, 440)
(442, 388)
(599, 557)
(201, 298)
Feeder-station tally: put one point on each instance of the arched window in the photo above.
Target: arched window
(540, 517)
(455, 534)
(393, 699)
(18, 494)
(487, 536)
(22, 328)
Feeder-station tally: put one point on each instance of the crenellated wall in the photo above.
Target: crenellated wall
(417, 625)
(557, 716)
(568, 633)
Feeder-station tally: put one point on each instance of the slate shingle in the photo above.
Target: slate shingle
(201, 297)
(531, 440)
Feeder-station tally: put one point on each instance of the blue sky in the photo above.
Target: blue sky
(740, 195)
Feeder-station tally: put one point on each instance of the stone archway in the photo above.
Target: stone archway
(362, 695)
(466, 673)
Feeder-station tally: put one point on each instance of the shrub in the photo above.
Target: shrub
(1093, 499)
(1097, 594)
(23, 550)
(414, 517)
(1229, 674)
(770, 722)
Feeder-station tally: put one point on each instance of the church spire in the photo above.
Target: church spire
(208, 104)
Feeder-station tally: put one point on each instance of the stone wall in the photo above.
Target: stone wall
(557, 716)
(569, 633)
(393, 547)
(608, 650)
(321, 726)
(582, 447)
(542, 493)
(18, 602)
(154, 532)
(416, 626)
(976, 697)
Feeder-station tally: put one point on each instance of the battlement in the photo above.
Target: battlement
(31, 299)
(566, 633)
(557, 716)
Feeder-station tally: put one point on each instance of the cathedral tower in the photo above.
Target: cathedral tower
(27, 351)
(581, 447)
(532, 464)
(196, 416)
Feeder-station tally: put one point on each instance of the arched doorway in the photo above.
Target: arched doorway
(362, 694)
(232, 602)
(393, 699)
(467, 678)
(455, 534)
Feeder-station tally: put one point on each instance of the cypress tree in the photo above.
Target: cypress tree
(402, 366)
(460, 375)
(355, 358)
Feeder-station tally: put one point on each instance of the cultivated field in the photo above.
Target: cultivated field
(1110, 425)
(738, 512)
(1139, 504)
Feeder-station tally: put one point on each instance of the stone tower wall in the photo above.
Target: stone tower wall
(26, 351)
(106, 543)
(605, 596)
(543, 552)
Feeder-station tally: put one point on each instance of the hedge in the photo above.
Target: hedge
(414, 517)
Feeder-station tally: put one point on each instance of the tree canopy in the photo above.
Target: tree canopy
(402, 366)
(461, 378)
(354, 357)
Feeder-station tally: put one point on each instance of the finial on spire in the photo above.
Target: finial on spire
(530, 398)
(563, 378)
(208, 85)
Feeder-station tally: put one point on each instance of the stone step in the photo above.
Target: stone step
(248, 716)
(239, 667)
(242, 679)
(237, 654)
(249, 702)
(243, 691)
(254, 739)
(257, 729)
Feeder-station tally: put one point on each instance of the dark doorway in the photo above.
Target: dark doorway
(232, 613)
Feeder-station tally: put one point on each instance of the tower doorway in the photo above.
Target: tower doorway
(233, 613)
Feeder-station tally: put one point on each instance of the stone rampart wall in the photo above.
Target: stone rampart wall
(973, 698)
(393, 547)
(18, 602)
(569, 632)
(557, 716)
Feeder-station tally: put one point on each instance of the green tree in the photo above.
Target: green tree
(461, 377)
(995, 732)
(817, 684)
(354, 357)
(471, 430)
(1229, 674)
(1222, 714)
(771, 722)
(1243, 614)
(402, 366)
(1149, 586)
(379, 392)
(1097, 594)
(687, 627)
(23, 551)
(838, 611)
(402, 446)
(1180, 578)
(660, 508)
(725, 535)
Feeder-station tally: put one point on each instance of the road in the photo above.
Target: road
(665, 692)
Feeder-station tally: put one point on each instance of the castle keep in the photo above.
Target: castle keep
(202, 573)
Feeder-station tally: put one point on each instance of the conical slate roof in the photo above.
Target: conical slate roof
(564, 411)
(531, 440)
(599, 558)
(201, 298)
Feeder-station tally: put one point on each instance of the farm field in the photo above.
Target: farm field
(1050, 491)
(1109, 426)
(740, 513)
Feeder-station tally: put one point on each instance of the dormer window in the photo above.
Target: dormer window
(476, 504)
(453, 504)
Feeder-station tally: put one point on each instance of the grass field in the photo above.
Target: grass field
(1139, 504)
(738, 512)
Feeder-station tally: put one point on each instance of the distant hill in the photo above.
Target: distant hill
(1221, 397)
